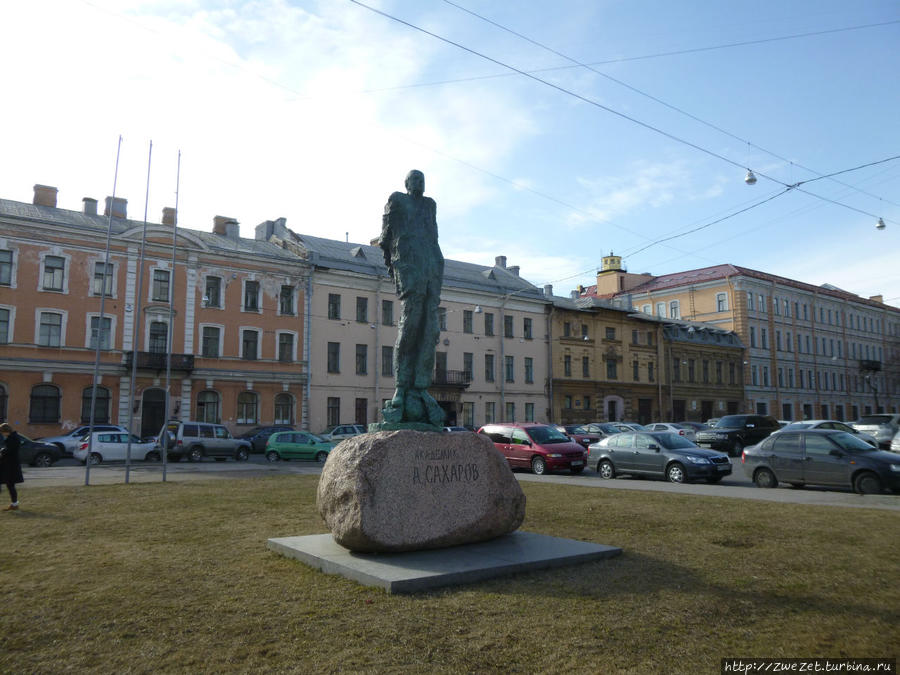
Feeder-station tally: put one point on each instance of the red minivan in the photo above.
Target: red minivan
(540, 447)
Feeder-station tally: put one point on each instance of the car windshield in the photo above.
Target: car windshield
(547, 435)
(674, 441)
(850, 443)
(731, 421)
(875, 419)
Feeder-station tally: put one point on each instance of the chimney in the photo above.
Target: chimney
(45, 195)
(116, 207)
(514, 269)
(877, 298)
(574, 294)
(500, 261)
(548, 291)
(169, 217)
(227, 227)
(90, 206)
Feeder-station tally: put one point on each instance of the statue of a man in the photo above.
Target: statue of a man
(409, 240)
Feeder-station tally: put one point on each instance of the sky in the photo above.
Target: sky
(552, 133)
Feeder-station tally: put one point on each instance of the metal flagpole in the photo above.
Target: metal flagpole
(171, 336)
(135, 338)
(87, 459)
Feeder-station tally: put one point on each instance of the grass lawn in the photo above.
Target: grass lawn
(176, 577)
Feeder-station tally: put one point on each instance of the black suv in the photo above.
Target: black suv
(733, 433)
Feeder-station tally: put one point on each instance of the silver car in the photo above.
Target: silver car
(882, 426)
(828, 424)
(69, 441)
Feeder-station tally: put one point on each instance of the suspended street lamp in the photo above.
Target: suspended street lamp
(750, 178)
(880, 224)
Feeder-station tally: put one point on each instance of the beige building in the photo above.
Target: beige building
(230, 322)
(812, 351)
(491, 360)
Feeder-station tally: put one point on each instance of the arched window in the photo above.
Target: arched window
(284, 408)
(247, 408)
(208, 407)
(44, 404)
(101, 405)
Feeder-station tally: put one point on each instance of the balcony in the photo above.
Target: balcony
(451, 378)
(868, 366)
(157, 361)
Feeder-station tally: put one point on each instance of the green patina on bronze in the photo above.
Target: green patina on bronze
(409, 240)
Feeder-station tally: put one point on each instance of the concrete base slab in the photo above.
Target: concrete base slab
(423, 570)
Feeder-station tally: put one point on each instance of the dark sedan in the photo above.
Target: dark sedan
(38, 453)
(821, 457)
(658, 455)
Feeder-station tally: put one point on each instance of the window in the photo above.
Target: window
(50, 331)
(585, 367)
(44, 405)
(754, 375)
(752, 336)
(54, 273)
(249, 344)
(788, 342)
(489, 414)
(469, 365)
(362, 359)
(442, 318)
(208, 407)
(488, 367)
(776, 307)
(247, 408)
(787, 311)
(705, 366)
(781, 377)
(488, 323)
(508, 326)
(387, 361)
(732, 373)
(610, 333)
(105, 334)
(676, 370)
(567, 329)
(567, 365)
(584, 331)
(636, 371)
(691, 370)
(361, 407)
(778, 340)
(101, 405)
(529, 370)
(719, 372)
(468, 414)
(611, 369)
(362, 310)
(4, 328)
(674, 310)
(765, 376)
(634, 337)
(251, 296)
(762, 302)
(159, 291)
(333, 411)
(646, 309)
(721, 302)
(334, 358)
(285, 346)
(650, 374)
(334, 306)
(790, 380)
(284, 408)
(213, 294)
(661, 309)
(764, 338)
(6, 266)
(286, 301)
(750, 301)
(467, 320)
(103, 279)
(387, 312)
(209, 346)
(529, 412)
(510, 368)
(567, 402)
(511, 412)
(649, 338)
(526, 328)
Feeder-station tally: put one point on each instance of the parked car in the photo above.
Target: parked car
(455, 429)
(113, 445)
(297, 445)
(712, 421)
(540, 447)
(657, 454)
(67, 442)
(581, 434)
(631, 426)
(882, 427)
(680, 429)
(821, 457)
(733, 433)
(342, 431)
(696, 426)
(38, 453)
(197, 440)
(895, 443)
(828, 424)
(257, 436)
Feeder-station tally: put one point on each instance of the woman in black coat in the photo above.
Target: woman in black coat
(10, 468)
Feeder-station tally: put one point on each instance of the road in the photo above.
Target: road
(736, 486)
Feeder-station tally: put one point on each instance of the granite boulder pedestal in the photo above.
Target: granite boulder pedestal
(393, 491)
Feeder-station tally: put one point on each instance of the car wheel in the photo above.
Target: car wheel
(714, 479)
(606, 469)
(538, 465)
(867, 483)
(196, 454)
(737, 448)
(576, 469)
(272, 456)
(675, 473)
(242, 455)
(321, 457)
(765, 478)
(152, 456)
(96, 458)
(42, 459)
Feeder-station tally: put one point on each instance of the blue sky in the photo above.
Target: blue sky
(314, 111)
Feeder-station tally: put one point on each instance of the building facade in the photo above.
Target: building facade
(201, 315)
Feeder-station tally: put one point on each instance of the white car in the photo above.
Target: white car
(829, 424)
(342, 431)
(113, 445)
(684, 430)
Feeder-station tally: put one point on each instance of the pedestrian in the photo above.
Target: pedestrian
(10, 468)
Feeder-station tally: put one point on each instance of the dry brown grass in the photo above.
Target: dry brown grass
(176, 577)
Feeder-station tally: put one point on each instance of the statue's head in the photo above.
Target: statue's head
(415, 182)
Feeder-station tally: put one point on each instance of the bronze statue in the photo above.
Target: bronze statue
(409, 240)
